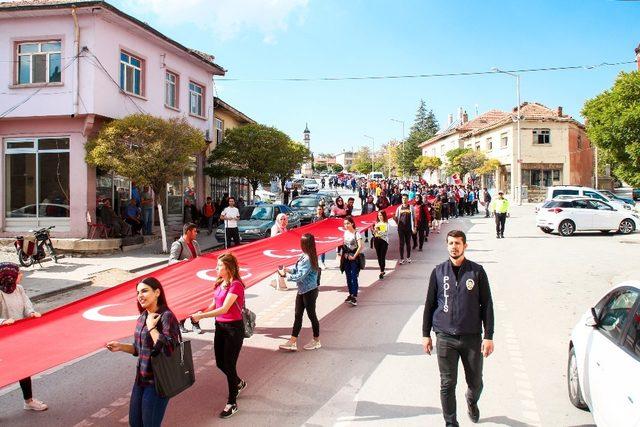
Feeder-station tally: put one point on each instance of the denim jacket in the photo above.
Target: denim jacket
(303, 274)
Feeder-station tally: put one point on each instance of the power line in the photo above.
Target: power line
(431, 75)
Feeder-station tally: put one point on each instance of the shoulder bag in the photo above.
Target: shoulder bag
(248, 319)
(174, 374)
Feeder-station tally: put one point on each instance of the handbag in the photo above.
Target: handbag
(174, 374)
(362, 261)
(248, 320)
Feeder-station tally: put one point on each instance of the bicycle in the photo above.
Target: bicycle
(35, 251)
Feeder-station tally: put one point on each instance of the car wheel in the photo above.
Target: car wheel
(626, 226)
(566, 228)
(546, 230)
(573, 382)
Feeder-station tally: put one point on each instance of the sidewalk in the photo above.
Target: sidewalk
(75, 272)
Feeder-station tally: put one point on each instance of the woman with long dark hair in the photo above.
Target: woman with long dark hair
(157, 330)
(305, 275)
(350, 262)
(381, 241)
(226, 307)
(339, 210)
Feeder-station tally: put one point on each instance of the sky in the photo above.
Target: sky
(261, 41)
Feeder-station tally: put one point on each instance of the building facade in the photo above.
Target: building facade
(345, 159)
(75, 66)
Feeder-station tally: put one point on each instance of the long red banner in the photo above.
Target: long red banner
(31, 346)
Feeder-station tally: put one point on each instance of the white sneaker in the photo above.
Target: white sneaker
(35, 405)
(313, 345)
(289, 346)
(409, 260)
(402, 261)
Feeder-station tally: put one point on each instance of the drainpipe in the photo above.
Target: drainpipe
(76, 47)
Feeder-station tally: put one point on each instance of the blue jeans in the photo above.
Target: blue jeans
(147, 220)
(146, 408)
(322, 258)
(352, 269)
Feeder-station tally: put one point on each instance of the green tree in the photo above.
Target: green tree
(429, 163)
(148, 150)
(613, 125)
(337, 168)
(289, 157)
(424, 127)
(470, 162)
(321, 167)
(453, 160)
(489, 166)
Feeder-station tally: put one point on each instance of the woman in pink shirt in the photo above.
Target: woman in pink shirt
(226, 307)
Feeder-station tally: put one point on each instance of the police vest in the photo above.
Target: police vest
(458, 311)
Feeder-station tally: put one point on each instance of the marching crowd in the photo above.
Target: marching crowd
(421, 209)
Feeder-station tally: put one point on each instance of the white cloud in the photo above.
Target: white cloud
(227, 19)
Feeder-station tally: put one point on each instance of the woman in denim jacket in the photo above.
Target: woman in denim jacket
(305, 275)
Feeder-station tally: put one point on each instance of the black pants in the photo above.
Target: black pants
(306, 301)
(445, 211)
(452, 209)
(381, 247)
(25, 385)
(405, 239)
(501, 218)
(450, 349)
(232, 234)
(421, 235)
(227, 344)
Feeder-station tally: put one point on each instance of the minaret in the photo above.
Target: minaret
(307, 168)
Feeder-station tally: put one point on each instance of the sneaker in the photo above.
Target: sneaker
(409, 260)
(183, 329)
(289, 346)
(35, 405)
(229, 410)
(348, 299)
(353, 301)
(313, 345)
(197, 329)
(366, 240)
(381, 276)
(241, 386)
(402, 261)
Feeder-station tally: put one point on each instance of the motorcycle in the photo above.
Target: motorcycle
(35, 250)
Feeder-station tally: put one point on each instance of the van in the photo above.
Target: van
(574, 190)
(376, 175)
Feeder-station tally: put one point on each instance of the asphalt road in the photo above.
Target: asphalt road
(371, 368)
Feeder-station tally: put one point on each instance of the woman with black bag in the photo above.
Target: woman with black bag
(350, 262)
(226, 307)
(157, 330)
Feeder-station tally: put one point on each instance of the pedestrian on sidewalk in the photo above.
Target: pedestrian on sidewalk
(421, 213)
(381, 241)
(186, 247)
(352, 247)
(486, 201)
(226, 307)
(500, 209)
(156, 331)
(320, 216)
(279, 227)
(406, 227)
(16, 305)
(306, 275)
(146, 203)
(367, 208)
(208, 212)
(230, 215)
(458, 307)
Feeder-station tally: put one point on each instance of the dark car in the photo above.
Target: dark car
(305, 206)
(256, 221)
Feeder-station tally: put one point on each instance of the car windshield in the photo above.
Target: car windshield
(264, 213)
(310, 182)
(304, 202)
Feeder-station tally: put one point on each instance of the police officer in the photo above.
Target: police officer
(500, 207)
(457, 308)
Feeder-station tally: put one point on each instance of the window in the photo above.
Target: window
(171, 90)
(219, 130)
(477, 145)
(542, 136)
(131, 74)
(595, 195)
(37, 178)
(442, 149)
(579, 142)
(600, 206)
(557, 193)
(632, 340)
(196, 98)
(556, 174)
(615, 312)
(489, 144)
(504, 140)
(39, 62)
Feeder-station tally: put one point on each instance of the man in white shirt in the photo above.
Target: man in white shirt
(231, 215)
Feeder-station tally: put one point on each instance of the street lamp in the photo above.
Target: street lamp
(401, 122)
(516, 171)
(373, 143)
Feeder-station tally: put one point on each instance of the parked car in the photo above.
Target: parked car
(256, 221)
(331, 193)
(310, 186)
(265, 196)
(376, 175)
(636, 193)
(604, 358)
(584, 214)
(305, 207)
(574, 190)
(613, 196)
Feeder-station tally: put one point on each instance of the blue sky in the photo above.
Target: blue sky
(261, 40)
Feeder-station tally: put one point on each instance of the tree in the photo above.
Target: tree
(337, 168)
(470, 162)
(147, 149)
(424, 127)
(613, 125)
(489, 166)
(453, 160)
(362, 161)
(429, 163)
(255, 152)
(321, 167)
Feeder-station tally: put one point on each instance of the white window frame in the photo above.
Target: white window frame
(195, 96)
(489, 144)
(167, 84)
(219, 130)
(127, 67)
(504, 140)
(541, 133)
(31, 62)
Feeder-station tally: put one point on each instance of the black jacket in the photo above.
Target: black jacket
(458, 306)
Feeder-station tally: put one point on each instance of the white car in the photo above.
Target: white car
(310, 186)
(604, 359)
(566, 216)
(575, 190)
(265, 196)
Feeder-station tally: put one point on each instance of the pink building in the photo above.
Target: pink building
(68, 67)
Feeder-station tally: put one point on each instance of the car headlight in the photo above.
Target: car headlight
(253, 230)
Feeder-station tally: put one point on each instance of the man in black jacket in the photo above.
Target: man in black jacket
(457, 308)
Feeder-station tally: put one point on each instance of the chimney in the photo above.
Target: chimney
(560, 111)
(465, 117)
(449, 120)
(638, 56)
